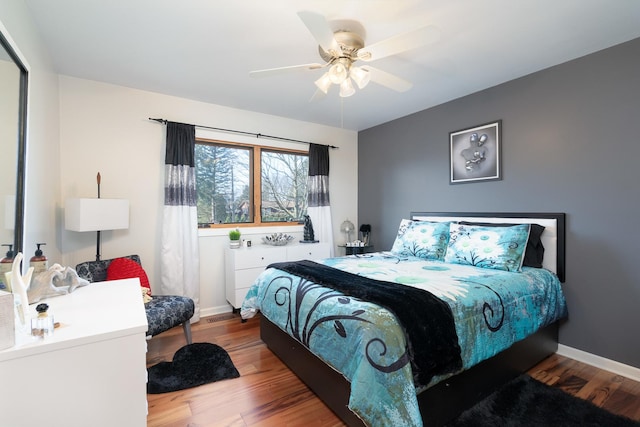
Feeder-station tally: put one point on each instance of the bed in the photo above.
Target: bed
(364, 335)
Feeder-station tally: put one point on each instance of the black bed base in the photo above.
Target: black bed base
(438, 404)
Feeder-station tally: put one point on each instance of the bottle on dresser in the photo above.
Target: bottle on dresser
(39, 262)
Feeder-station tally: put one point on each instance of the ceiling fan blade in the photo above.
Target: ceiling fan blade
(319, 29)
(400, 43)
(282, 70)
(387, 79)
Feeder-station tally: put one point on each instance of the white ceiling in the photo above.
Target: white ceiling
(204, 49)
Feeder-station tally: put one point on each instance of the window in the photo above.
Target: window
(228, 174)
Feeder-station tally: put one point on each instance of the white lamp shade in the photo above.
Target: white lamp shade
(360, 76)
(324, 83)
(338, 72)
(346, 88)
(96, 214)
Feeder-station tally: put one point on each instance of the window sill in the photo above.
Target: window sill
(250, 231)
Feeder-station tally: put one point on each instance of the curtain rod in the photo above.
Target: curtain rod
(257, 135)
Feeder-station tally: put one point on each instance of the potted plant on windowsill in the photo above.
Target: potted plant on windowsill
(234, 238)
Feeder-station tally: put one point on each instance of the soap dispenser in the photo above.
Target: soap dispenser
(5, 267)
(39, 261)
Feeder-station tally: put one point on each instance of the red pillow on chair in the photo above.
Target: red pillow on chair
(125, 268)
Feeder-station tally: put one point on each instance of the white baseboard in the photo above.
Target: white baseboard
(212, 311)
(628, 371)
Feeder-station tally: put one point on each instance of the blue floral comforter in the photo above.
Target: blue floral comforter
(365, 342)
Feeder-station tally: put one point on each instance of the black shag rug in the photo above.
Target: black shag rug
(193, 365)
(527, 402)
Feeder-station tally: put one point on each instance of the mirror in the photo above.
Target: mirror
(13, 126)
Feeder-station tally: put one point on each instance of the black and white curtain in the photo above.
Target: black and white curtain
(179, 254)
(319, 208)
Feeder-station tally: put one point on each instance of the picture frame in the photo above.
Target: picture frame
(475, 154)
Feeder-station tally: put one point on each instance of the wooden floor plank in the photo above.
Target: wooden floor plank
(269, 394)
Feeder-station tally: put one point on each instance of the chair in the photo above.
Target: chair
(163, 311)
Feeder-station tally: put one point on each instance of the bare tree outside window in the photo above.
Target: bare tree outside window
(226, 179)
(284, 186)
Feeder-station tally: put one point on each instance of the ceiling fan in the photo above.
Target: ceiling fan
(341, 48)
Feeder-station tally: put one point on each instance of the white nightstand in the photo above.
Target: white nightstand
(244, 265)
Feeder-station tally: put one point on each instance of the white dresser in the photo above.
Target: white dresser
(91, 372)
(244, 265)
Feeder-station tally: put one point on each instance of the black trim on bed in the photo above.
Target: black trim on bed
(559, 217)
(438, 404)
(428, 322)
(450, 397)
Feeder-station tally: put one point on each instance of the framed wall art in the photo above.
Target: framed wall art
(474, 154)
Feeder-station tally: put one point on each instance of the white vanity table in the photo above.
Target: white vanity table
(91, 372)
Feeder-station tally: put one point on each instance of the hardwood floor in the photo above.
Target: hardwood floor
(268, 394)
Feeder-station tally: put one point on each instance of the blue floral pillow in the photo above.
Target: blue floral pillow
(499, 248)
(423, 239)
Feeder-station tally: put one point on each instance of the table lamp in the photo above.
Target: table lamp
(96, 214)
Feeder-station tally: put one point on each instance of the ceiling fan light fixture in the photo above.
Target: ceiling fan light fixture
(346, 88)
(360, 76)
(338, 72)
(341, 44)
(324, 82)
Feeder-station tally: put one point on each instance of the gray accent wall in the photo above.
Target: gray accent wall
(571, 143)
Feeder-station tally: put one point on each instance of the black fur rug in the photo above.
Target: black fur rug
(527, 402)
(193, 365)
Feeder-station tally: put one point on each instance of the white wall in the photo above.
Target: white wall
(43, 164)
(105, 128)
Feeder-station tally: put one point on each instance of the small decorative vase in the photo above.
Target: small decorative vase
(234, 244)
(19, 286)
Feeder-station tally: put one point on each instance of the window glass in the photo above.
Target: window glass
(228, 173)
(284, 186)
(223, 183)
